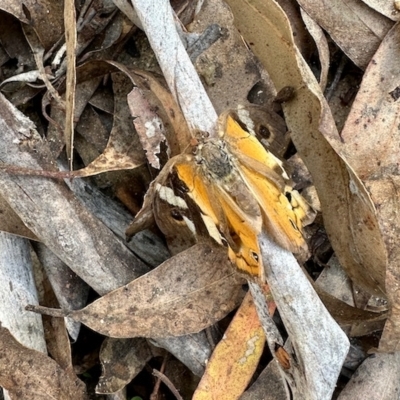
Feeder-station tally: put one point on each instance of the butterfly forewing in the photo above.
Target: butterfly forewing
(238, 228)
(267, 184)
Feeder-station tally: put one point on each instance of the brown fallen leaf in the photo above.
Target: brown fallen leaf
(322, 45)
(45, 16)
(367, 25)
(121, 361)
(359, 322)
(235, 358)
(176, 129)
(30, 374)
(148, 124)
(371, 146)
(377, 378)
(185, 294)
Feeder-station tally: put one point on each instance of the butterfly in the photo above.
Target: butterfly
(229, 188)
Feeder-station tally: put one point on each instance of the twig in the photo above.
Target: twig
(338, 74)
(168, 383)
(52, 312)
(153, 395)
(210, 337)
(15, 170)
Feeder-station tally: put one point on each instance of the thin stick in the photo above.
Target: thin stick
(168, 383)
(15, 170)
(52, 312)
(153, 396)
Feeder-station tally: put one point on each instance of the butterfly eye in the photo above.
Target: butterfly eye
(254, 255)
(176, 215)
(264, 132)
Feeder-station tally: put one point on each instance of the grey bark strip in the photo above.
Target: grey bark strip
(55, 215)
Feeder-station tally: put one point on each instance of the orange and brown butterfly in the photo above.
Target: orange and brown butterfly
(232, 188)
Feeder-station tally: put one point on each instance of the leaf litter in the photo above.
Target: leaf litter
(354, 171)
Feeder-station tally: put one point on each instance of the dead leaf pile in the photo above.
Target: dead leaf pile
(108, 92)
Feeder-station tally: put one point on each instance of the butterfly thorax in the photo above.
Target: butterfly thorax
(214, 159)
(218, 165)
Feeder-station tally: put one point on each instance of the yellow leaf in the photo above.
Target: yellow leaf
(235, 358)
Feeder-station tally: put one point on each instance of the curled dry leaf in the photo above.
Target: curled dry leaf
(322, 45)
(367, 25)
(30, 374)
(121, 153)
(185, 294)
(176, 128)
(371, 146)
(148, 125)
(349, 214)
(235, 358)
(45, 16)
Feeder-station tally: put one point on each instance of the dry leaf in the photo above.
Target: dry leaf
(45, 16)
(368, 26)
(148, 124)
(377, 378)
(235, 358)
(387, 8)
(30, 374)
(121, 361)
(228, 70)
(176, 128)
(374, 157)
(322, 45)
(123, 150)
(185, 294)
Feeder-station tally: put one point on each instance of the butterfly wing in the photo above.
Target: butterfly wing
(247, 255)
(201, 193)
(223, 218)
(265, 177)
